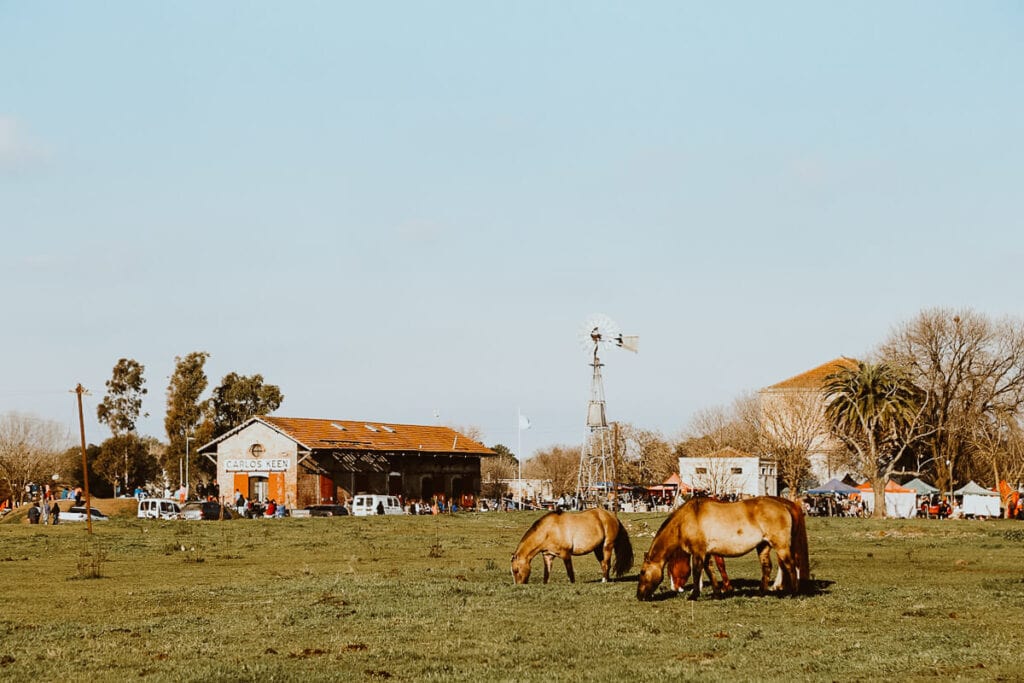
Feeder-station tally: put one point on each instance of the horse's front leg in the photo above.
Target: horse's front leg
(697, 571)
(715, 587)
(720, 563)
(548, 559)
(764, 554)
(568, 568)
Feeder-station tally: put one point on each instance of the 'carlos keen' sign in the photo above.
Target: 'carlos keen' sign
(256, 465)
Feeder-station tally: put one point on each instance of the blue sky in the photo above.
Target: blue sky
(392, 209)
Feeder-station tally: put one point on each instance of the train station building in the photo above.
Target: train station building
(307, 461)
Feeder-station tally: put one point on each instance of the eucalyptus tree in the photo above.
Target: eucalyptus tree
(124, 458)
(122, 405)
(238, 398)
(184, 407)
(876, 411)
(125, 461)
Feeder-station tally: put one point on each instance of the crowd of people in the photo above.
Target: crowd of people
(44, 502)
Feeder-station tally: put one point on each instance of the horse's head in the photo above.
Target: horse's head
(520, 569)
(650, 577)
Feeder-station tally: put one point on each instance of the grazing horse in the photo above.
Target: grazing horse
(705, 527)
(678, 567)
(564, 534)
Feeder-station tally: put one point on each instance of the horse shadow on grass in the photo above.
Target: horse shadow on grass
(741, 588)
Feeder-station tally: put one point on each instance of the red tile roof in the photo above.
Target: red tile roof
(815, 378)
(375, 436)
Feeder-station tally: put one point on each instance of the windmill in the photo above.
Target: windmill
(597, 464)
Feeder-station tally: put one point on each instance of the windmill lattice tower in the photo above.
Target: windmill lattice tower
(595, 482)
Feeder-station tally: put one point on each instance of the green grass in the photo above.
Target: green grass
(431, 598)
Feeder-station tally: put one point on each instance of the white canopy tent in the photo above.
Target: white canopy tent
(900, 502)
(978, 501)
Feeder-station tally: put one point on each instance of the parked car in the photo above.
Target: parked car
(206, 510)
(325, 510)
(159, 508)
(365, 504)
(76, 513)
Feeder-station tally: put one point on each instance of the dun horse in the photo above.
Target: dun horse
(705, 527)
(564, 534)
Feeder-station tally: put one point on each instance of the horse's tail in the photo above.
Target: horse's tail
(798, 547)
(623, 550)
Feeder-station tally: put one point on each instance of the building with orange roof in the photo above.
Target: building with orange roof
(794, 409)
(814, 379)
(306, 461)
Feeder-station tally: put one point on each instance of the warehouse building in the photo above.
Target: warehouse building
(306, 461)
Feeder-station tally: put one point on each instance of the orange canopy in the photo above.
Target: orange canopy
(890, 487)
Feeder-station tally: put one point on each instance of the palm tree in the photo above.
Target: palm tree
(875, 410)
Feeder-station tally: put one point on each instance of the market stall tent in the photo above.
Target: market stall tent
(900, 501)
(978, 501)
(921, 487)
(833, 486)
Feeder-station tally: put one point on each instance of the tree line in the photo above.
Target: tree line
(33, 449)
(941, 397)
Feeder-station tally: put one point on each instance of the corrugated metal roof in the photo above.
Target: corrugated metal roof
(362, 435)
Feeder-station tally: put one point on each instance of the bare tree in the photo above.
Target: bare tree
(559, 464)
(493, 470)
(469, 431)
(719, 427)
(790, 427)
(998, 445)
(30, 450)
(714, 474)
(643, 456)
(971, 367)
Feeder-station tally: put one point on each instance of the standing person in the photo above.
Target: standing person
(33, 514)
(55, 514)
(45, 511)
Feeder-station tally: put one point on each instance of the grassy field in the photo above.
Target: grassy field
(431, 598)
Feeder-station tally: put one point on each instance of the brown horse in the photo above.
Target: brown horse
(677, 565)
(564, 534)
(705, 527)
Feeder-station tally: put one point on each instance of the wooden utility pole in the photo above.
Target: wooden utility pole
(85, 465)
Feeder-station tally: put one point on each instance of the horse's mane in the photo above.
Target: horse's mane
(665, 523)
(690, 503)
(536, 525)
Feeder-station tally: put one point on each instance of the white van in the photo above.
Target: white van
(365, 504)
(159, 508)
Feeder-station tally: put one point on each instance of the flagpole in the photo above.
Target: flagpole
(519, 452)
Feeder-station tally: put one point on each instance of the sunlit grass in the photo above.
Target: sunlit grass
(431, 598)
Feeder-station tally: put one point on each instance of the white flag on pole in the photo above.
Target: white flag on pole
(524, 422)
